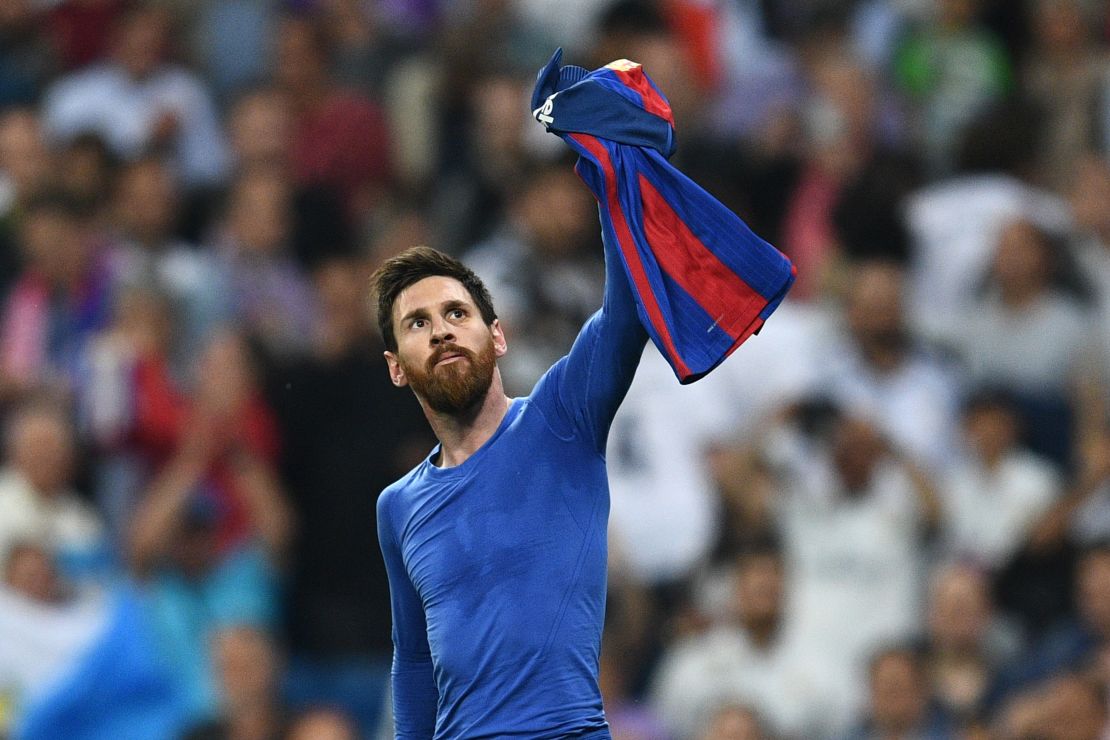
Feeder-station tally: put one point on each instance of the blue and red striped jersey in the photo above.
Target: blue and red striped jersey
(703, 281)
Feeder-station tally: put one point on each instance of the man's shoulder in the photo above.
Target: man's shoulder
(399, 491)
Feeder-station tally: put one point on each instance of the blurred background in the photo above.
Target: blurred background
(887, 516)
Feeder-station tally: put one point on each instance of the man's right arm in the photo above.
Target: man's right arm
(415, 697)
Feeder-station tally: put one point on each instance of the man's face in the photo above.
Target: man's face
(1094, 591)
(759, 590)
(444, 348)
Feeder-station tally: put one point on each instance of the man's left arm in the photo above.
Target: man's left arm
(586, 387)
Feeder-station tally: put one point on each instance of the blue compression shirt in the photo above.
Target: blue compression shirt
(497, 566)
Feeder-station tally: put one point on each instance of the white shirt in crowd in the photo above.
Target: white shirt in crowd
(1037, 350)
(780, 682)
(663, 511)
(106, 100)
(987, 514)
(664, 501)
(955, 225)
(63, 523)
(855, 563)
(915, 405)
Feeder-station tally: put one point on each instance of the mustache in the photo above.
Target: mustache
(449, 349)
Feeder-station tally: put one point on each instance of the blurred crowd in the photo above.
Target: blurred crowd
(886, 516)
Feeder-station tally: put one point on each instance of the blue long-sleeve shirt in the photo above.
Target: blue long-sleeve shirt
(497, 566)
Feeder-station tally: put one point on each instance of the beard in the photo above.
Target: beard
(457, 386)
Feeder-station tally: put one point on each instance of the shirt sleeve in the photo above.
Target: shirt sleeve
(415, 697)
(582, 391)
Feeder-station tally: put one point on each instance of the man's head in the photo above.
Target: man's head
(899, 691)
(40, 445)
(146, 201)
(29, 570)
(875, 308)
(248, 666)
(1093, 588)
(857, 449)
(440, 330)
(141, 38)
(54, 235)
(959, 609)
(258, 211)
(759, 587)
(991, 423)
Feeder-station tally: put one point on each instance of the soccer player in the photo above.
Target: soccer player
(496, 544)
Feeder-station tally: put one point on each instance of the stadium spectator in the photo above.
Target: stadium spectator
(147, 251)
(37, 496)
(127, 401)
(29, 571)
(661, 487)
(733, 723)
(484, 158)
(260, 129)
(955, 223)
(331, 407)
(321, 724)
(1030, 336)
(1067, 708)
(1067, 76)
(248, 669)
(854, 517)
(27, 58)
(842, 137)
(951, 68)
(967, 642)
(340, 137)
(757, 658)
(997, 492)
(881, 371)
(25, 162)
(901, 705)
(197, 584)
(139, 103)
(86, 171)
(1078, 643)
(25, 171)
(61, 298)
(1090, 200)
(271, 298)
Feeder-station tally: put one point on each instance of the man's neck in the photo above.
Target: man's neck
(462, 434)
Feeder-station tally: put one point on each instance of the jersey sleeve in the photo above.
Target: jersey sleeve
(415, 697)
(581, 392)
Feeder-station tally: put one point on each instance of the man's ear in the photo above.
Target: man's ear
(500, 345)
(396, 372)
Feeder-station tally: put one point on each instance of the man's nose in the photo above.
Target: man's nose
(441, 331)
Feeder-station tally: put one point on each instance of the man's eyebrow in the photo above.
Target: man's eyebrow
(416, 313)
(422, 312)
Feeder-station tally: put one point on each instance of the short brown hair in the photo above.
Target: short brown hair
(412, 266)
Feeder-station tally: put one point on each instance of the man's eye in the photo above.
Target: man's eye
(457, 313)
(418, 323)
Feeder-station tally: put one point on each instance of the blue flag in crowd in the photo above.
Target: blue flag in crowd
(85, 670)
(704, 282)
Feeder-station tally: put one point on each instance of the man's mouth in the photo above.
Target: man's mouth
(449, 357)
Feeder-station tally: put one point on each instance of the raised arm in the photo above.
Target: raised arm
(582, 391)
(415, 697)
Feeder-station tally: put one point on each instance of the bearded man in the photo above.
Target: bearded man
(495, 544)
